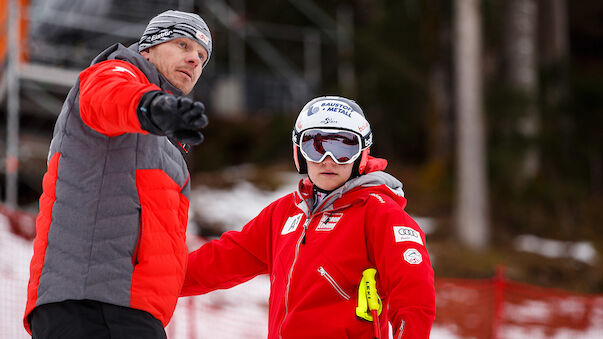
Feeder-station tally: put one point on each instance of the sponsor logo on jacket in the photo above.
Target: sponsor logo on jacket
(123, 69)
(291, 224)
(413, 256)
(403, 233)
(378, 197)
(328, 221)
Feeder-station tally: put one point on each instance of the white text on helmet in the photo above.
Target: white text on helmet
(340, 108)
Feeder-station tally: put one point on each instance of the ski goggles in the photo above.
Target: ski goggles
(343, 146)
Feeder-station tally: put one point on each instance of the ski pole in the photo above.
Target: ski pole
(374, 302)
(369, 304)
(375, 323)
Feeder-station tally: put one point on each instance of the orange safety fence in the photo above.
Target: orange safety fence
(495, 308)
(499, 308)
(20, 223)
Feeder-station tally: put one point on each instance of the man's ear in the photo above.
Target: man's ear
(145, 53)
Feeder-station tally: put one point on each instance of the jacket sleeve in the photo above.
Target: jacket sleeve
(110, 92)
(233, 259)
(397, 246)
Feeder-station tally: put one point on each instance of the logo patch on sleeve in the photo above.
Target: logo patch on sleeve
(291, 224)
(123, 69)
(403, 233)
(328, 221)
(378, 197)
(412, 256)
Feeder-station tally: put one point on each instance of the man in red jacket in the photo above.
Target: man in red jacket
(347, 216)
(110, 253)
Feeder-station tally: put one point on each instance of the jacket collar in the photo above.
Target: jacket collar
(353, 189)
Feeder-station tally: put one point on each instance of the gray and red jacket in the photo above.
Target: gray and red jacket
(114, 207)
(315, 257)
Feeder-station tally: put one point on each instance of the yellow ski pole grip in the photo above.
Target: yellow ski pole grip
(374, 302)
(362, 310)
(372, 298)
(368, 287)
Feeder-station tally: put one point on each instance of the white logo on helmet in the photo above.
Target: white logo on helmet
(363, 127)
(313, 110)
(328, 121)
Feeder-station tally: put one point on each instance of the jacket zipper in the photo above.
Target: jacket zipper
(305, 232)
(139, 240)
(401, 330)
(297, 246)
(333, 283)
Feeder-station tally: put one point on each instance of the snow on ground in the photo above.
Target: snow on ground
(581, 251)
(15, 254)
(236, 206)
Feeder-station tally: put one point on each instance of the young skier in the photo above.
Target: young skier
(346, 217)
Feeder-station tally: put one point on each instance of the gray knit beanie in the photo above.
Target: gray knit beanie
(175, 24)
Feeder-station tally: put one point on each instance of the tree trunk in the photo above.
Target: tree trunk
(554, 58)
(554, 35)
(520, 42)
(472, 198)
(439, 110)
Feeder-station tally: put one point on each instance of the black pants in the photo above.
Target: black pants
(88, 319)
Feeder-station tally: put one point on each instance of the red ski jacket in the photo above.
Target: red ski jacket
(114, 211)
(315, 259)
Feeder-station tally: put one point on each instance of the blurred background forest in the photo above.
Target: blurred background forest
(537, 103)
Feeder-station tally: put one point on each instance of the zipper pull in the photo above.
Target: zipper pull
(305, 230)
(328, 218)
(322, 271)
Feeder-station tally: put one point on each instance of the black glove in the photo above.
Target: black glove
(179, 118)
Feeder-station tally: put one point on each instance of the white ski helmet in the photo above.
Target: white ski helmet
(332, 112)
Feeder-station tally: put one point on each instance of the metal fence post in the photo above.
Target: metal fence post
(499, 301)
(12, 124)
